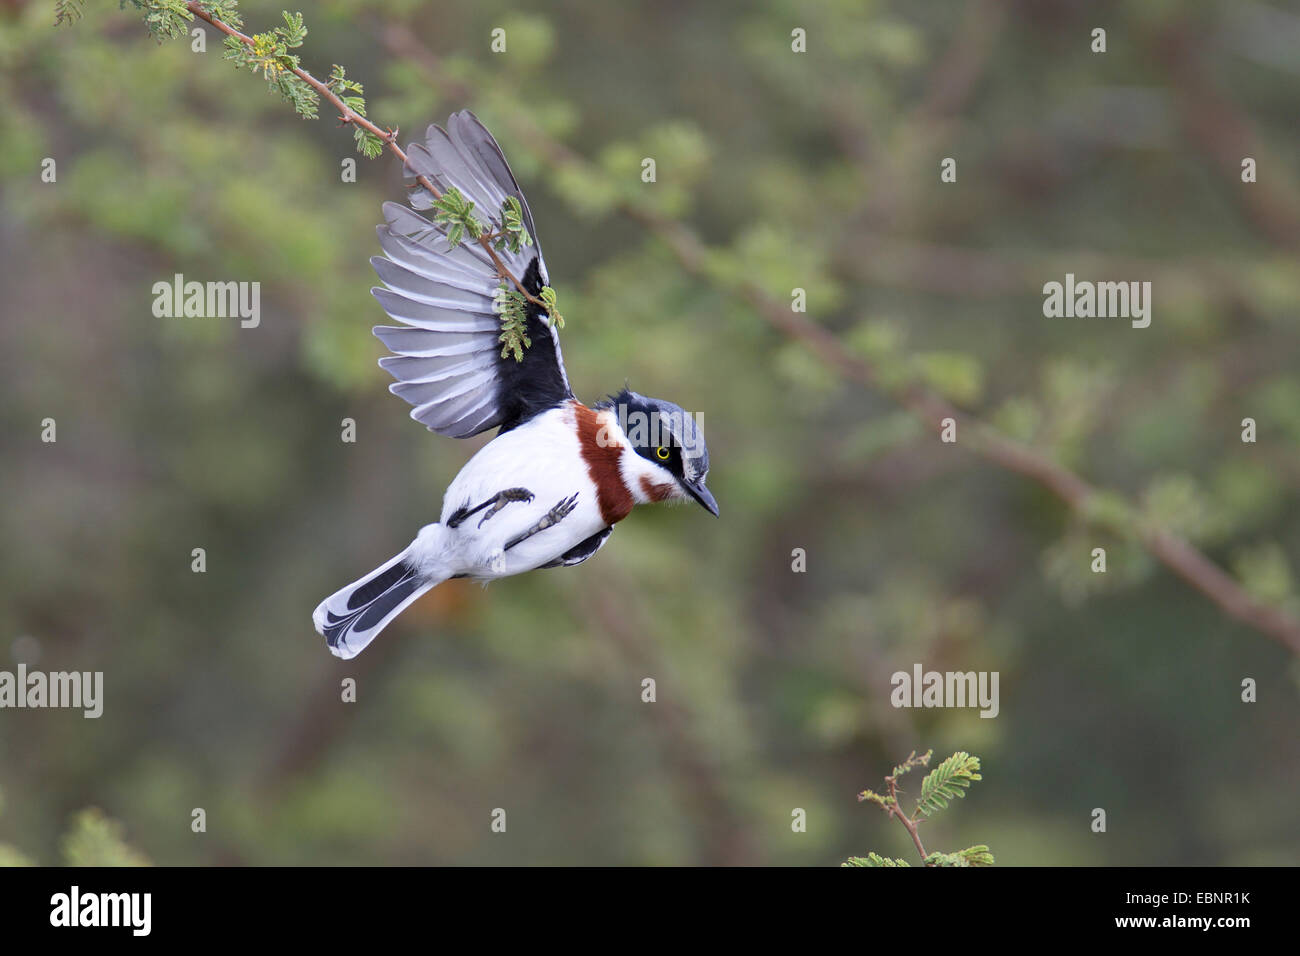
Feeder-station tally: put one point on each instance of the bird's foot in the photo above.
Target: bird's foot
(496, 503)
(504, 498)
(553, 517)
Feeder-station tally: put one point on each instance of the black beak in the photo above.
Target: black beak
(703, 496)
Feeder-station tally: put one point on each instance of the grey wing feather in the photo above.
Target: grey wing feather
(446, 354)
(468, 132)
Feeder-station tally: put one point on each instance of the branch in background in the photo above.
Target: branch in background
(1224, 134)
(1096, 505)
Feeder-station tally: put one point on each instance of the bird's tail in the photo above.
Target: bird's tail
(350, 618)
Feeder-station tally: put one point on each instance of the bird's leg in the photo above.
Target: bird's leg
(551, 518)
(504, 498)
(497, 502)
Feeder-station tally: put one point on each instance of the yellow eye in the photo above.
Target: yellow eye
(662, 453)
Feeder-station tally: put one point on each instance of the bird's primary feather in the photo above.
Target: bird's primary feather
(446, 355)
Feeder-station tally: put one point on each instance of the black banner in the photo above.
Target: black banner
(340, 905)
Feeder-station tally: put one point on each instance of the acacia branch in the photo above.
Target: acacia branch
(1175, 552)
(347, 115)
(913, 826)
(1172, 550)
(889, 804)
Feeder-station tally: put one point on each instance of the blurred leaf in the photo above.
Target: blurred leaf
(95, 840)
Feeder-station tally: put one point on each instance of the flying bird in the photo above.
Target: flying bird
(548, 489)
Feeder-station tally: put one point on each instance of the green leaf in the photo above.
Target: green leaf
(368, 144)
(874, 859)
(913, 761)
(547, 295)
(512, 307)
(878, 799)
(513, 235)
(165, 19)
(294, 31)
(455, 214)
(978, 855)
(947, 781)
(971, 856)
(95, 840)
(68, 11)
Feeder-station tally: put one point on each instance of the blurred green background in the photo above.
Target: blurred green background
(818, 171)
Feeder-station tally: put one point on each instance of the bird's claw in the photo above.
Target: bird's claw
(563, 508)
(504, 498)
(557, 514)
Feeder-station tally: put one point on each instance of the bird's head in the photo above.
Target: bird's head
(671, 441)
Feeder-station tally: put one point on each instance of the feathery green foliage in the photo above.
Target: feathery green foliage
(547, 295)
(166, 19)
(511, 305)
(874, 859)
(513, 235)
(455, 214)
(879, 800)
(971, 856)
(350, 92)
(269, 55)
(886, 801)
(96, 840)
(68, 11)
(93, 839)
(913, 761)
(948, 781)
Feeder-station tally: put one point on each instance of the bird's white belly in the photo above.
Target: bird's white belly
(542, 456)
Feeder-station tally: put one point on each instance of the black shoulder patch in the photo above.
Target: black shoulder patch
(536, 383)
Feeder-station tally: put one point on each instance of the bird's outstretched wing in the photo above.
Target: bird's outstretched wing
(446, 354)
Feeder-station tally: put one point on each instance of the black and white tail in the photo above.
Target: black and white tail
(351, 618)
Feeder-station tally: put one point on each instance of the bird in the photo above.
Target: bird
(548, 488)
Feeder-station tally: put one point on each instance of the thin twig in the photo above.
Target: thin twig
(913, 828)
(387, 136)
